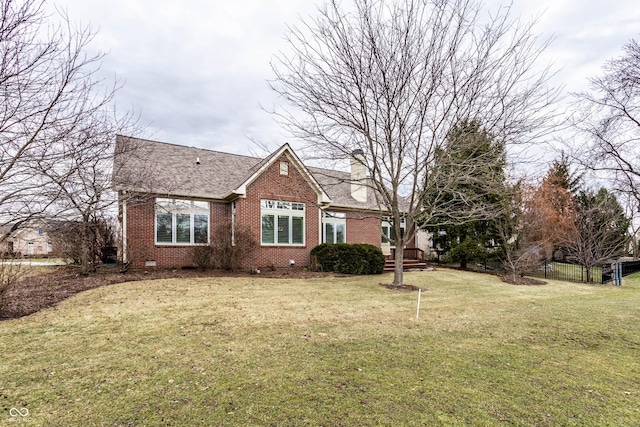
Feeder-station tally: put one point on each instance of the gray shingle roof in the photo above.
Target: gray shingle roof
(163, 168)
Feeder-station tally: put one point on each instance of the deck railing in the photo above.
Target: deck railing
(409, 253)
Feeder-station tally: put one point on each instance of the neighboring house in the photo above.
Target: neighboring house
(424, 241)
(172, 197)
(31, 239)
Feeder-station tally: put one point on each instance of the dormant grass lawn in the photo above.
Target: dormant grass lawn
(339, 351)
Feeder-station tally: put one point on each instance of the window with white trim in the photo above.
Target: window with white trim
(181, 222)
(334, 227)
(282, 223)
(388, 233)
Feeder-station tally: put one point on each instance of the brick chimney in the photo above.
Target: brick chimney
(358, 176)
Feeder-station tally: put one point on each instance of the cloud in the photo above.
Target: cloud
(197, 70)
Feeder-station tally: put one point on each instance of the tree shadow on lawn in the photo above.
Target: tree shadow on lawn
(403, 288)
(520, 280)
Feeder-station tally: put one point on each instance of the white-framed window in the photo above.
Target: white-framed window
(181, 222)
(334, 227)
(282, 223)
(388, 233)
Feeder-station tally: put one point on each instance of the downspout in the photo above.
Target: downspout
(124, 231)
(233, 223)
(320, 230)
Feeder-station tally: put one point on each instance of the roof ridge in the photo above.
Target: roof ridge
(189, 146)
(329, 171)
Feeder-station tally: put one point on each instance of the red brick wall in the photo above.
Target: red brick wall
(141, 245)
(293, 187)
(363, 228)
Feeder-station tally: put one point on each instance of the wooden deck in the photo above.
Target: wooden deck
(413, 260)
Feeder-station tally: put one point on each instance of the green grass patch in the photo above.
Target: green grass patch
(333, 351)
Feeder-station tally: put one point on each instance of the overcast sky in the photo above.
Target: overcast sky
(196, 70)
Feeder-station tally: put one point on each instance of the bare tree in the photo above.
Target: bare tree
(521, 250)
(82, 242)
(393, 78)
(609, 115)
(83, 179)
(11, 272)
(632, 211)
(599, 231)
(49, 95)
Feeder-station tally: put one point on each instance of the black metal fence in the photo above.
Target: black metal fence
(578, 273)
(627, 268)
(566, 271)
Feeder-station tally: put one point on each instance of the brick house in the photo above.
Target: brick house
(171, 198)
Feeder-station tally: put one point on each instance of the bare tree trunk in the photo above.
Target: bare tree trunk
(398, 268)
(85, 247)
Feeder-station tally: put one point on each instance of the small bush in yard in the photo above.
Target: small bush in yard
(358, 258)
(202, 256)
(10, 274)
(228, 250)
(324, 257)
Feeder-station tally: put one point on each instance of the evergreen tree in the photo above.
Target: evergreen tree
(560, 175)
(470, 237)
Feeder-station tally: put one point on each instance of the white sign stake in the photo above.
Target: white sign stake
(418, 310)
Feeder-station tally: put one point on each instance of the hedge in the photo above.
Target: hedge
(344, 258)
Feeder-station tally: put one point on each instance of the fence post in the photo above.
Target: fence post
(617, 273)
(545, 268)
